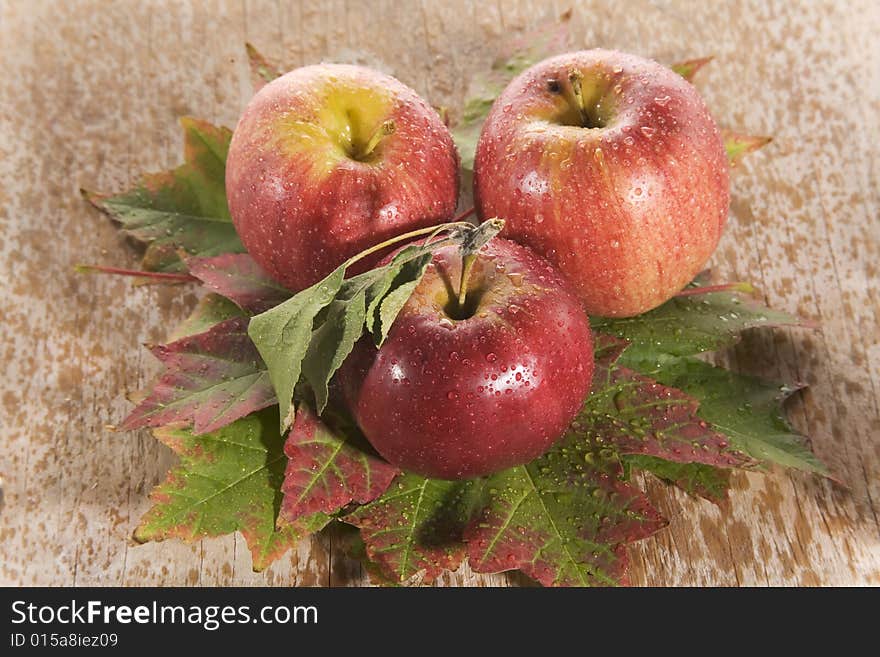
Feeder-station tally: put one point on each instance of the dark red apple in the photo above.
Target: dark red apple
(328, 160)
(462, 390)
(611, 167)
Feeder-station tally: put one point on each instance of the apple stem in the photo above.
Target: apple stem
(467, 264)
(574, 79)
(387, 128)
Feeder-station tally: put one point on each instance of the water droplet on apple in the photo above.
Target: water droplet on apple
(648, 131)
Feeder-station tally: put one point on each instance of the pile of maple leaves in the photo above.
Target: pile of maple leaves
(563, 519)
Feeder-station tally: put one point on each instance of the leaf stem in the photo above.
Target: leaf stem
(405, 236)
(164, 276)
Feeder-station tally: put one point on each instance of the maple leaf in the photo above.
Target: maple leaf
(530, 48)
(745, 409)
(738, 145)
(748, 410)
(637, 415)
(688, 69)
(415, 528)
(702, 318)
(239, 278)
(561, 519)
(355, 548)
(210, 380)
(183, 209)
(262, 70)
(698, 479)
(210, 310)
(228, 480)
(325, 471)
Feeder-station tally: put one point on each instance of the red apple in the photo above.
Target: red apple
(328, 160)
(611, 167)
(462, 390)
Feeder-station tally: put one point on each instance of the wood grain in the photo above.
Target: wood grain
(90, 97)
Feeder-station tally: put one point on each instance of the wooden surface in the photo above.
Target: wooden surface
(89, 96)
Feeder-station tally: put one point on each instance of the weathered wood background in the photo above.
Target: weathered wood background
(90, 93)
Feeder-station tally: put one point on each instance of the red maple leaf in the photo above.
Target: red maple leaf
(239, 278)
(325, 472)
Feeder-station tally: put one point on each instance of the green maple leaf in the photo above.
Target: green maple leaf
(210, 310)
(183, 210)
(705, 318)
(416, 526)
(688, 68)
(262, 70)
(746, 409)
(699, 479)
(228, 480)
(738, 145)
(549, 38)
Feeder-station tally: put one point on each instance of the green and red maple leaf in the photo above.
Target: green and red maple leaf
(228, 480)
(210, 379)
(563, 519)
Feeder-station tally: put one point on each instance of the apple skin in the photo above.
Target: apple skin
(629, 211)
(459, 398)
(303, 194)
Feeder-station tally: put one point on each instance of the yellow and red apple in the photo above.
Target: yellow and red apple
(331, 159)
(611, 167)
